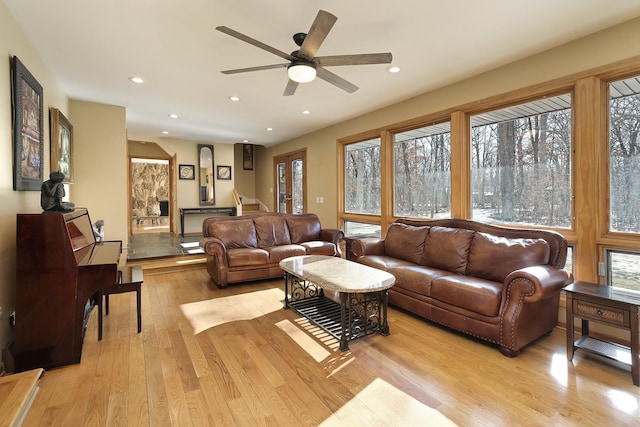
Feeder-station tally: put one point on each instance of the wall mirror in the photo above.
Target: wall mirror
(207, 194)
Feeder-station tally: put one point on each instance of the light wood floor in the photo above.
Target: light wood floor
(277, 370)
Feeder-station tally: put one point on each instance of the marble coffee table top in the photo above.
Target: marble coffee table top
(337, 274)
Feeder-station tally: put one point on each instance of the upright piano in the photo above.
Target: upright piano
(59, 270)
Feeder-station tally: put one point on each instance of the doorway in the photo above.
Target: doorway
(150, 187)
(291, 182)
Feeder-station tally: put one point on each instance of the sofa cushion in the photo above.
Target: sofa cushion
(235, 234)
(447, 249)
(319, 247)
(405, 242)
(278, 253)
(415, 278)
(478, 295)
(493, 258)
(303, 228)
(247, 257)
(383, 262)
(271, 230)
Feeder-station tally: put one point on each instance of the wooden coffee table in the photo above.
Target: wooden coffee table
(363, 291)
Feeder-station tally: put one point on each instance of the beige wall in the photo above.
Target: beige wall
(608, 46)
(14, 42)
(100, 165)
(244, 180)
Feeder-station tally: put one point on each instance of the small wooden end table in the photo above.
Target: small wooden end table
(610, 306)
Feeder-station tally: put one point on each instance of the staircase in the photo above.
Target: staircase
(245, 208)
(248, 208)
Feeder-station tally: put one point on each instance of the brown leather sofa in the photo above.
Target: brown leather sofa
(495, 283)
(251, 247)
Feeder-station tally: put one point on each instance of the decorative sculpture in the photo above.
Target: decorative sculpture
(98, 230)
(52, 192)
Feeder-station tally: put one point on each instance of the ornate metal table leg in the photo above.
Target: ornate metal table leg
(384, 330)
(287, 276)
(344, 312)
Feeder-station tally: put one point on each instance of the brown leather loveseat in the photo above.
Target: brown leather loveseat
(251, 247)
(495, 283)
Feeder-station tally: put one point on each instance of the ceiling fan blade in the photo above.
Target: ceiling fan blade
(291, 88)
(336, 80)
(258, 68)
(358, 59)
(317, 33)
(254, 42)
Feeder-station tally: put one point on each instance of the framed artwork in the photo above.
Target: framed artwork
(224, 172)
(187, 172)
(61, 144)
(28, 128)
(247, 157)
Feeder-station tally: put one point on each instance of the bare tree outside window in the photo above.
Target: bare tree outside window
(362, 177)
(521, 164)
(624, 156)
(422, 172)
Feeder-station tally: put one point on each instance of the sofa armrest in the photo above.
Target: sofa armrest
(530, 299)
(540, 282)
(368, 246)
(334, 236)
(331, 235)
(214, 247)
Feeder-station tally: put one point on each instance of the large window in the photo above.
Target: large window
(521, 164)
(624, 155)
(422, 172)
(362, 177)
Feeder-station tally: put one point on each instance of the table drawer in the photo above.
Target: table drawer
(610, 315)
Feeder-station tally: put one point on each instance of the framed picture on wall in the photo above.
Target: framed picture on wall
(224, 172)
(247, 157)
(61, 144)
(187, 171)
(28, 146)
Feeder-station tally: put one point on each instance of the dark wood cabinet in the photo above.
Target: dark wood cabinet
(59, 267)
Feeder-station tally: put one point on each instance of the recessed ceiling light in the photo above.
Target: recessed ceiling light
(165, 132)
(394, 69)
(173, 116)
(245, 140)
(269, 129)
(234, 98)
(306, 112)
(136, 79)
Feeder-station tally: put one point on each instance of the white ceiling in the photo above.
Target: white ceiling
(92, 47)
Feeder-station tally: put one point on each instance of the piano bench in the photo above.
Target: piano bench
(129, 280)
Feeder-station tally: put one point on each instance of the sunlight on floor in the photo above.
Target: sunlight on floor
(623, 401)
(206, 314)
(308, 344)
(560, 369)
(382, 401)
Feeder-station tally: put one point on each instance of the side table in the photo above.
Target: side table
(610, 306)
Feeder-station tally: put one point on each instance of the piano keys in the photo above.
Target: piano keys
(59, 270)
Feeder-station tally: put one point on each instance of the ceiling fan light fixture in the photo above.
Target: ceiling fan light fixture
(301, 73)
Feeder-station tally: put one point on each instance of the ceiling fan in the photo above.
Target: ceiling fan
(303, 65)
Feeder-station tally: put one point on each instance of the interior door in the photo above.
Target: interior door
(290, 178)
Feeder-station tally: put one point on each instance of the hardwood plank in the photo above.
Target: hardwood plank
(254, 372)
